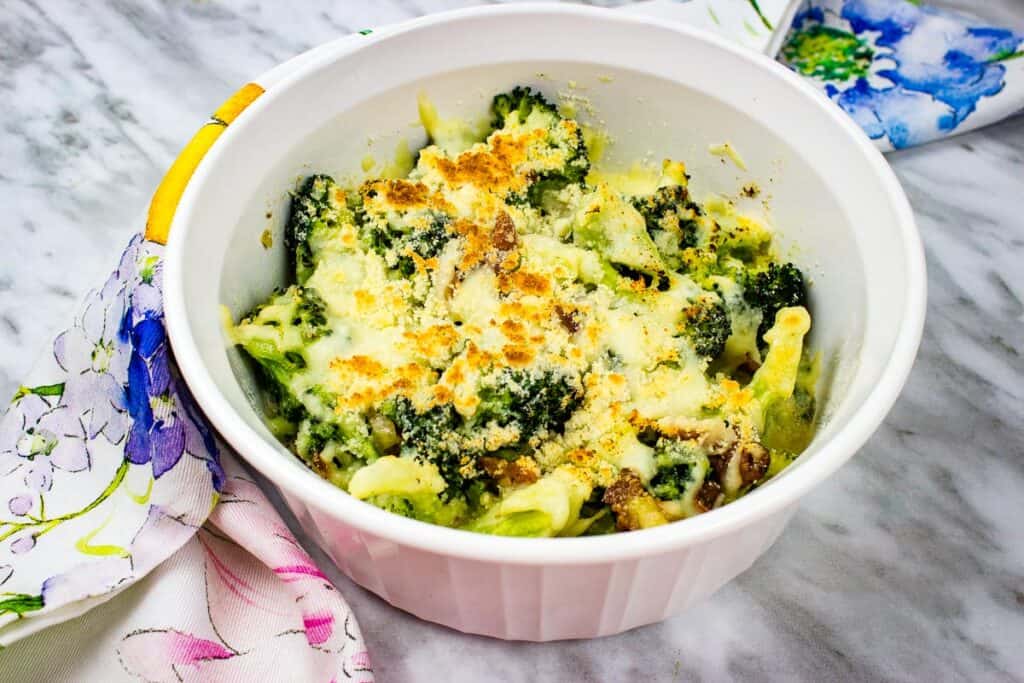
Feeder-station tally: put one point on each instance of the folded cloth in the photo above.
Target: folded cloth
(107, 469)
(908, 73)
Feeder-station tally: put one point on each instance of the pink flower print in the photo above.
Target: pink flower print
(168, 655)
(262, 533)
(361, 661)
(319, 627)
(297, 572)
(242, 610)
(266, 601)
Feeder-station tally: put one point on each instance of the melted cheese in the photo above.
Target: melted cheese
(521, 289)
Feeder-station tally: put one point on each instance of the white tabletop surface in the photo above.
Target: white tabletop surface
(906, 565)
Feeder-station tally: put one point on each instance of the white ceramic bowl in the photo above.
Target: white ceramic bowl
(658, 89)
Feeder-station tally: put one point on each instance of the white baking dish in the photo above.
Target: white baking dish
(657, 88)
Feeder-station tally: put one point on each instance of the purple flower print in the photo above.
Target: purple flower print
(157, 434)
(39, 477)
(20, 505)
(36, 437)
(94, 355)
(165, 422)
(23, 543)
(113, 400)
(86, 580)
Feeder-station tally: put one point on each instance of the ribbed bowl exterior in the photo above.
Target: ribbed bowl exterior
(533, 602)
(829, 187)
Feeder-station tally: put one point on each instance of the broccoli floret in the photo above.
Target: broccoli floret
(335, 444)
(275, 334)
(425, 507)
(534, 403)
(431, 437)
(609, 225)
(523, 106)
(682, 467)
(426, 241)
(283, 410)
(379, 240)
(670, 216)
(439, 435)
(789, 424)
(771, 290)
(777, 377)
(310, 315)
(671, 220)
(409, 487)
(312, 208)
(707, 326)
(556, 181)
(520, 102)
(552, 182)
(317, 207)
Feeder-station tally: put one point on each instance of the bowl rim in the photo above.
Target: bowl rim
(319, 494)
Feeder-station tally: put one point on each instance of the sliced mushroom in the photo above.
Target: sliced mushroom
(521, 471)
(708, 495)
(754, 462)
(568, 318)
(633, 506)
(504, 236)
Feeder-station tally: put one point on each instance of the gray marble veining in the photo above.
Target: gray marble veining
(906, 565)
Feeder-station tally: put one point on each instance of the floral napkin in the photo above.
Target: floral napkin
(112, 482)
(908, 73)
(110, 478)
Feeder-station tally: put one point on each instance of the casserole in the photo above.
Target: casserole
(652, 86)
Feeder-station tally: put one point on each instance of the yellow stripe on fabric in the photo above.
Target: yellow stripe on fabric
(168, 194)
(141, 498)
(84, 544)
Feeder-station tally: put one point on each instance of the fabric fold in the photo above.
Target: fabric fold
(108, 471)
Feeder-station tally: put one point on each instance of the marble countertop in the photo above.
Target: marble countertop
(906, 565)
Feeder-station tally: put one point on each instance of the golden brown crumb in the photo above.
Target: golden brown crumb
(517, 356)
(362, 365)
(524, 470)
